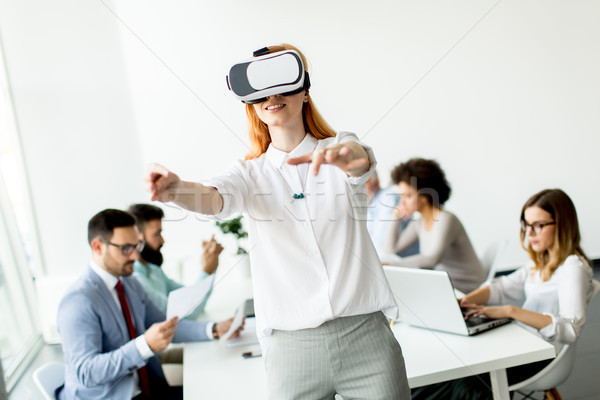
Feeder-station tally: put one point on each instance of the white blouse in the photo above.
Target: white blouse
(564, 297)
(312, 259)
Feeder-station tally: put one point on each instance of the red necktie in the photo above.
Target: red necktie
(142, 372)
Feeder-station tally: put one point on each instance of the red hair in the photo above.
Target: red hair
(258, 131)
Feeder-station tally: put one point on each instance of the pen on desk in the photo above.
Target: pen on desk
(249, 354)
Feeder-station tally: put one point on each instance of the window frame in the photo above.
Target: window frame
(21, 271)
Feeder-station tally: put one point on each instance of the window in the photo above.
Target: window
(19, 255)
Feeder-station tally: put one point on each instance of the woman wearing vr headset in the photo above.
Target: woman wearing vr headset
(552, 290)
(320, 296)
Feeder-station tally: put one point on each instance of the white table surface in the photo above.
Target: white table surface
(217, 372)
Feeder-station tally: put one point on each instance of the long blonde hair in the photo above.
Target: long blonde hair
(566, 235)
(258, 131)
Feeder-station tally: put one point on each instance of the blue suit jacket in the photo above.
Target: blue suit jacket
(100, 358)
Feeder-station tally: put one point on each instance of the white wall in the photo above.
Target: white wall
(68, 79)
(502, 94)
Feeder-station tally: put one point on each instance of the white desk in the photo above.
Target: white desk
(431, 357)
(211, 372)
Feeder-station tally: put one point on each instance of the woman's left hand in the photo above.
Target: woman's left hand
(349, 156)
(489, 311)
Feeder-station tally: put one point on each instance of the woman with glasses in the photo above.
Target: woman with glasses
(552, 291)
(443, 242)
(319, 291)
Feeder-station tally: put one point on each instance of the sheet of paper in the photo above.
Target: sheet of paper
(237, 322)
(247, 335)
(182, 302)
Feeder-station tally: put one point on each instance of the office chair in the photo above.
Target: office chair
(557, 371)
(173, 374)
(48, 378)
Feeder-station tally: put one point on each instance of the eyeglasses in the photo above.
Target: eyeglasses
(536, 227)
(127, 249)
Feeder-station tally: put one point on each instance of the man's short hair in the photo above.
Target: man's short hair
(144, 213)
(104, 223)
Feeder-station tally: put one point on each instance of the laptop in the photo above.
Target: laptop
(426, 299)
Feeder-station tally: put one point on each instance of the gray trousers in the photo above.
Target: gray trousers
(356, 357)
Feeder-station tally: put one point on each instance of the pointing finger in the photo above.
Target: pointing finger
(319, 157)
(154, 168)
(306, 158)
(344, 151)
(335, 154)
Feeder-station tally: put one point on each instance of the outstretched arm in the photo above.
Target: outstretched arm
(164, 186)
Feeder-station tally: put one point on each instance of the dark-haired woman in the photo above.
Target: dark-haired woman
(444, 244)
(553, 290)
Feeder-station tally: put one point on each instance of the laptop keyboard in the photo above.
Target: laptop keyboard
(474, 320)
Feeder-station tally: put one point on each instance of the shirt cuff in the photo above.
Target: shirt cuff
(209, 330)
(142, 346)
(549, 331)
(203, 274)
(233, 190)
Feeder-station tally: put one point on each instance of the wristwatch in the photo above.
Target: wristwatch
(214, 331)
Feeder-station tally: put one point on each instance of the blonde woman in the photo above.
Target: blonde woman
(319, 291)
(552, 291)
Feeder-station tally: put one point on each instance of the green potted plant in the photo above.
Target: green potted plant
(235, 227)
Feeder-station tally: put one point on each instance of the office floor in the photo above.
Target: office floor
(25, 389)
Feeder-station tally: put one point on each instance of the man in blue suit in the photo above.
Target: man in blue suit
(109, 328)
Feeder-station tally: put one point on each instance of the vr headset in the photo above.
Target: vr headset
(268, 74)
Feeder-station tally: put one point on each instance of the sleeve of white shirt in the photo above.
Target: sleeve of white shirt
(509, 289)
(342, 137)
(142, 346)
(234, 190)
(572, 303)
(209, 330)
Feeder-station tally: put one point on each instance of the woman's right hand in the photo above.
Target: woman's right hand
(401, 213)
(159, 181)
(464, 302)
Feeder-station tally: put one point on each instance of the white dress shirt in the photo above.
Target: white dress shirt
(564, 297)
(140, 342)
(312, 258)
